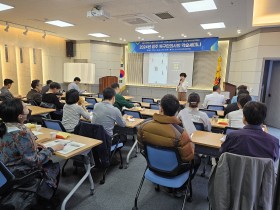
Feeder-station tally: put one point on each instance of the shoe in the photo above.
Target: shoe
(179, 193)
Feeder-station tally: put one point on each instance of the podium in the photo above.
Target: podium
(230, 88)
(105, 82)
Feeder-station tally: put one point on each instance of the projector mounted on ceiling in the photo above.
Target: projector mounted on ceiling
(98, 13)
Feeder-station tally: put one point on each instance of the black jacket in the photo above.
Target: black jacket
(101, 153)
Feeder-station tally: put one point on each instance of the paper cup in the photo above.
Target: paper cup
(38, 127)
(53, 135)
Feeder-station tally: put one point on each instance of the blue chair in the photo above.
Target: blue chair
(134, 114)
(154, 106)
(53, 124)
(228, 130)
(216, 107)
(148, 100)
(100, 95)
(92, 101)
(210, 113)
(199, 126)
(165, 168)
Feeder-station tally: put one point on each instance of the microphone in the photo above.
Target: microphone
(179, 82)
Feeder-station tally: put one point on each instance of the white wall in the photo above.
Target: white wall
(106, 57)
(247, 59)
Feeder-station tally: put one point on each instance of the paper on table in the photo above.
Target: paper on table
(36, 133)
(69, 146)
(131, 119)
(223, 138)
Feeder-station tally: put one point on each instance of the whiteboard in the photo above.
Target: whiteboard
(165, 68)
(86, 71)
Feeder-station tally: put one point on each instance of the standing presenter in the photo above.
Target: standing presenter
(182, 87)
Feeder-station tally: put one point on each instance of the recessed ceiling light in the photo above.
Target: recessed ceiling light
(139, 37)
(197, 6)
(185, 36)
(146, 30)
(213, 25)
(99, 35)
(159, 36)
(209, 34)
(162, 37)
(5, 7)
(143, 39)
(108, 41)
(182, 34)
(124, 40)
(121, 39)
(238, 31)
(59, 23)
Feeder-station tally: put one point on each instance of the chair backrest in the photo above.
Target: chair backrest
(53, 124)
(228, 130)
(100, 95)
(92, 101)
(6, 177)
(148, 100)
(199, 126)
(216, 107)
(154, 106)
(136, 102)
(134, 114)
(165, 161)
(210, 113)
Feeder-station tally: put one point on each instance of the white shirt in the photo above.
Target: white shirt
(188, 115)
(182, 87)
(214, 99)
(236, 118)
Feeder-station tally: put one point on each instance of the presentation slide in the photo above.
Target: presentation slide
(165, 68)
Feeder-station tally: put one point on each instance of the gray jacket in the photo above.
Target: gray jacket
(242, 183)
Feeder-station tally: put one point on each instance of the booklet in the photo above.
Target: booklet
(69, 145)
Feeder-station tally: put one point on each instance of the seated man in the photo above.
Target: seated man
(164, 130)
(252, 140)
(214, 98)
(240, 87)
(51, 97)
(5, 93)
(236, 117)
(46, 87)
(35, 93)
(233, 106)
(120, 100)
(106, 114)
(74, 85)
(193, 114)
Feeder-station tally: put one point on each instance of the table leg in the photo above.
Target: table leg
(87, 175)
(135, 144)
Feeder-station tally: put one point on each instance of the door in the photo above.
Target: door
(273, 97)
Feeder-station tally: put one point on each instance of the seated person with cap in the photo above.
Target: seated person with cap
(193, 114)
(252, 140)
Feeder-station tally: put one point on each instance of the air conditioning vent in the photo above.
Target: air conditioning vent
(164, 15)
(137, 19)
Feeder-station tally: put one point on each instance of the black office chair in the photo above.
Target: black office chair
(210, 113)
(228, 130)
(53, 124)
(216, 107)
(27, 185)
(100, 95)
(148, 100)
(135, 114)
(92, 101)
(199, 126)
(154, 106)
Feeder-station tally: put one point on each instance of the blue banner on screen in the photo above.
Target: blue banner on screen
(184, 45)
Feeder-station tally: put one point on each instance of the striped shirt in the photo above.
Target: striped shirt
(71, 116)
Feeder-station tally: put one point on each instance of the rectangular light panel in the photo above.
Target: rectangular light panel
(213, 25)
(198, 6)
(59, 23)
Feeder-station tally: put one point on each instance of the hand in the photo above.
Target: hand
(135, 104)
(57, 147)
(125, 116)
